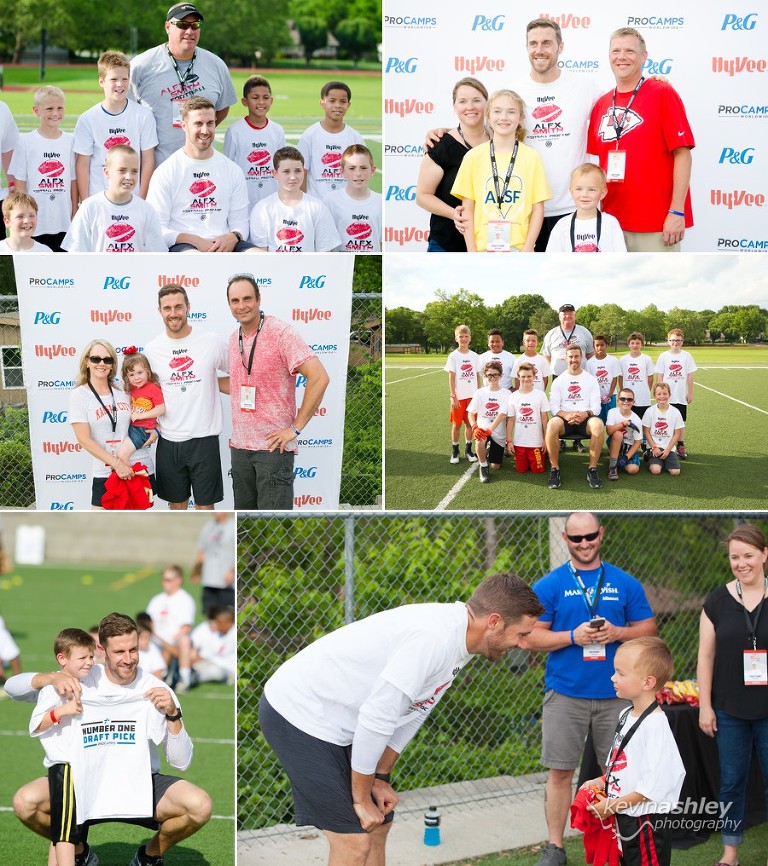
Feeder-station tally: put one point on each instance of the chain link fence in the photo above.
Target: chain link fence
(361, 463)
(302, 577)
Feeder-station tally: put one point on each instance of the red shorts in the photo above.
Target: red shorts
(530, 458)
(459, 414)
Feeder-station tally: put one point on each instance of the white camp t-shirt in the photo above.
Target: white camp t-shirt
(217, 543)
(9, 650)
(322, 157)
(674, 371)
(650, 764)
(306, 227)
(487, 405)
(9, 136)
(220, 649)
(662, 425)
(630, 436)
(466, 367)
(585, 236)
(47, 166)
(151, 659)
(97, 131)
(57, 739)
(252, 150)
(605, 371)
(103, 226)
(527, 410)
(507, 361)
(205, 197)
(634, 375)
(418, 649)
(357, 222)
(170, 613)
(187, 369)
(575, 393)
(35, 248)
(541, 369)
(557, 120)
(557, 341)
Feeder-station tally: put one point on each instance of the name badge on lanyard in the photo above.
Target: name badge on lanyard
(248, 392)
(616, 167)
(755, 660)
(499, 233)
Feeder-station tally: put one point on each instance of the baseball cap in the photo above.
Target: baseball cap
(567, 308)
(181, 10)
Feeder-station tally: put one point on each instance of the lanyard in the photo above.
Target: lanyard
(182, 78)
(253, 345)
(751, 626)
(619, 127)
(573, 243)
(494, 168)
(616, 750)
(112, 418)
(591, 601)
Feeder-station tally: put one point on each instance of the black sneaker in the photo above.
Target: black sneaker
(87, 857)
(554, 479)
(562, 444)
(141, 858)
(594, 479)
(469, 455)
(455, 454)
(613, 473)
(681, 452)
(579, 446)
(485, 474)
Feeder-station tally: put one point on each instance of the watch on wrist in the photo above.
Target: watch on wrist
(174, 718)
(238, 236)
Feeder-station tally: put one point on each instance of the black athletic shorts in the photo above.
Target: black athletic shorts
(61, 789)
(644, 840)
(194, 465)
(320, 774)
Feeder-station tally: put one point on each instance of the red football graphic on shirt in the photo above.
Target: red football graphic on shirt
(660, 427)
(333, 160)
(203, 188)
(466, 366)
(547, 112)
(117, 139)
(574, 389)
(633, 371)
(675, 367)
(290, 236)
(181, 363)
(51, 168)
(120, 232)
(359, 231)
(492, 406)
(620, 763)
(526, 412)
(259, 157)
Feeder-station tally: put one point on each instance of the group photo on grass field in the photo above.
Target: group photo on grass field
(544, 384)
(121, 677)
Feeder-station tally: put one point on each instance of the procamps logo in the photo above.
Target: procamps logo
(416, 150)
(656, 22)
(745, 110)
(410, 22)
(747, 245)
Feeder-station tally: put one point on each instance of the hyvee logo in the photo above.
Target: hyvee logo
(55, 351)
(402, 107)
(107, 317)
(735, 65)
(736, 198)
(402, 67)
(62, 447)
(567, 19)
(306, 499)
(738, 22)
(42, 318)
(178, 280)
(310, 315)
(478, 64)
(405, 235)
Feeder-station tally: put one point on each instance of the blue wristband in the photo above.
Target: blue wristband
(573, 642)
(297, 432)
(676, 212)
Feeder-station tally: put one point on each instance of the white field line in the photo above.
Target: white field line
(453, 492)
(728, 397)
(411, 378)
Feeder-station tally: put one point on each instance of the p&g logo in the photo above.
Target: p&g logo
(395, 64)
(117, 283)
(47, 318)
(307, 282)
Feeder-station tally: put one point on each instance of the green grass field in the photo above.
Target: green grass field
(726, 436)
(296, 105)
(38, 601)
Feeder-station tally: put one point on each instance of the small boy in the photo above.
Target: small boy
(324, 142)
(677, 367)
(356, 209)
(541, 368)
(487, 412)
(51, 721)
(20, 220)
(527, 422)
(151, 659)
(605, 368)
(463, 368)
(43, 164)
(644, 772)
(588, 229)
(625, 434)
(252, 142)
(637, 373)
(290, 221)
(115, 220)
(664, 427)
(497, 352)
(115, 120)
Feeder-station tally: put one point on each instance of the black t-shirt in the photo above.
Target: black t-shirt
(731, 639)
(448, 154)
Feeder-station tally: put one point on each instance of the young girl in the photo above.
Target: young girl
(502, 184)
(147, 403)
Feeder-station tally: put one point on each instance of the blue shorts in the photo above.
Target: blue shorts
(138, 435)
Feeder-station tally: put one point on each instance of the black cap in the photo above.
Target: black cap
(181, 10)
(567, 308)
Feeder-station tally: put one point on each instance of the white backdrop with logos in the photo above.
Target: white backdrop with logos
(713, 54)
(67, 301)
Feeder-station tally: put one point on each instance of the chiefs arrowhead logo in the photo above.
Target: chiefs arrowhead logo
(627, 120)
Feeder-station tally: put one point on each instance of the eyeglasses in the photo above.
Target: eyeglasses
(673, 340)
(95, 359)
(235, 277)
(590, 536)
(492, 376)
(187, 25)
(626, 399)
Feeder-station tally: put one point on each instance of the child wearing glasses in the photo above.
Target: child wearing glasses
(487, 413)
(625, 433)
(676, 367)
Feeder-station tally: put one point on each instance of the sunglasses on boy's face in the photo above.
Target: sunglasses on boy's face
(577, 539)
(95, 359)
(626, 399)
(187, 25)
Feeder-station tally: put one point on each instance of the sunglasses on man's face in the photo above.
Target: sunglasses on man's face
(95, 359)
(577, 539)
(187, 25)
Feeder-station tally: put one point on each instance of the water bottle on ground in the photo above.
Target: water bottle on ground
(432, 826)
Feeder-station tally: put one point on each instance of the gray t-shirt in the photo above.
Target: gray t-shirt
(156, 83)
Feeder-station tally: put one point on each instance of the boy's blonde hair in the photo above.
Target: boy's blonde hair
(531, 332)
(112, 60)
(69, 638)
(17, 199)
(356, 150)
(131, 361)
(48, 90)
(117, 150)
(493, 365)
(654, 658)
(664, 385)
(636, 335)
(588, 168)
(675, 332)
(526, 368)
(461, 329)
(520, 132)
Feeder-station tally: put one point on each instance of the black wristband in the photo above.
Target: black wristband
(383, 777)
(174, 718)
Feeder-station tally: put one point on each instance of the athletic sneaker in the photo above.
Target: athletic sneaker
(554, 479)
(87, 858)
(579, 446)
(485, 474)
(468, 453)
(140, 858)
(681, 452)
(613, 473)
(594, 479)
(552, 856)
(562, 444)
(455, 454)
